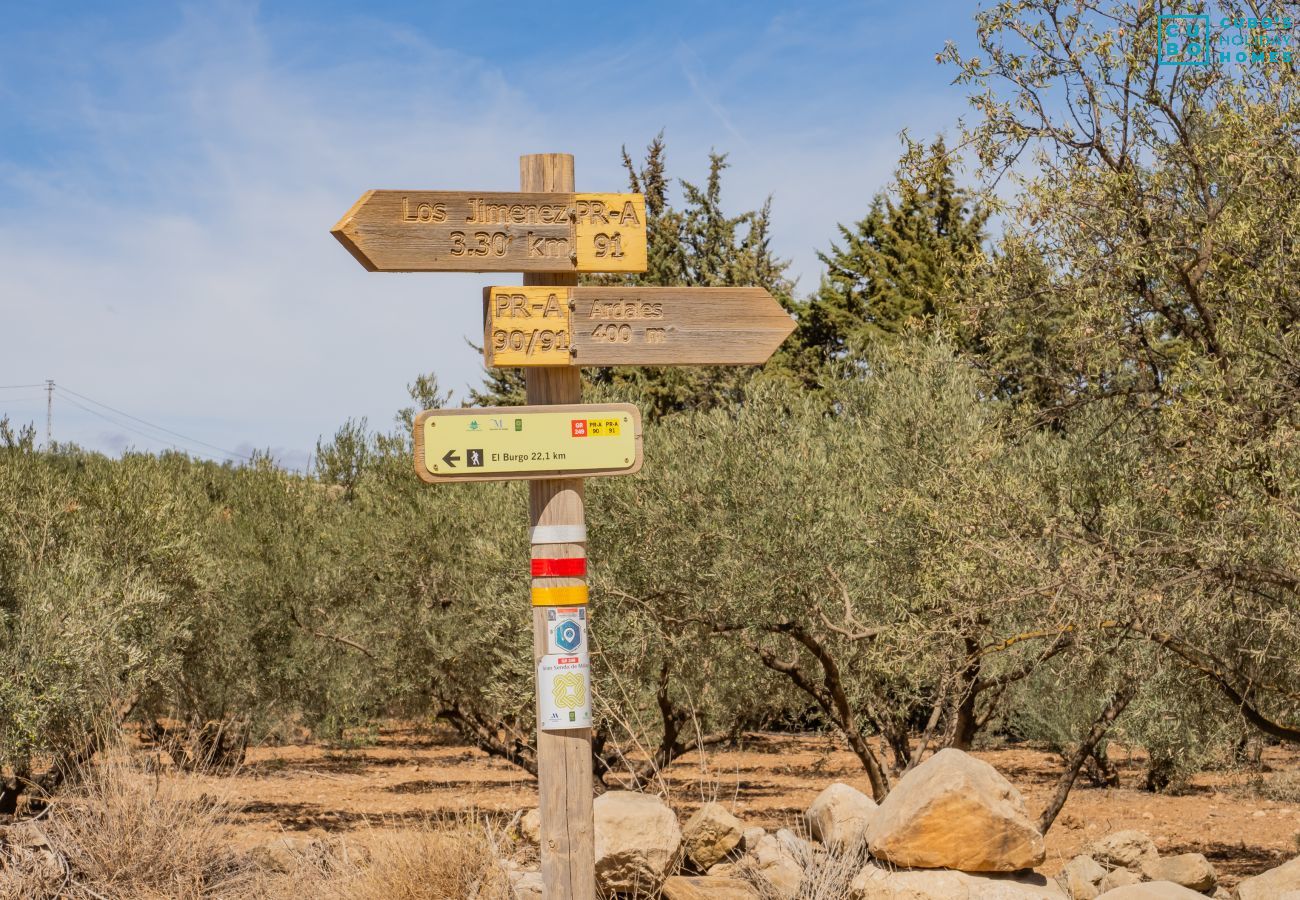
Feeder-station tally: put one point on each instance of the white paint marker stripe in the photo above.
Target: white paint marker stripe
(558, 534)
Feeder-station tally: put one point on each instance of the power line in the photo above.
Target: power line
(120, 424)
(15, 387)
(66, 390)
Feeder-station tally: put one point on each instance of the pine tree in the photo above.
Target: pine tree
(909, 262)
(698, 245)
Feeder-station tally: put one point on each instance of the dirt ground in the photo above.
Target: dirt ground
(408, 775)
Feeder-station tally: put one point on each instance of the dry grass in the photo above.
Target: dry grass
(1280, 787)
(125, 833)
(826, 874)
(442, 860)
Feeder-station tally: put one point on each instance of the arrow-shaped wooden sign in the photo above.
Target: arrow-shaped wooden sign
(623, 326)
(466, 231)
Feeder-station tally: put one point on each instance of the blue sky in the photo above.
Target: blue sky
(169, 174)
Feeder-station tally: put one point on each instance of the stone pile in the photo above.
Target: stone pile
(951, 829)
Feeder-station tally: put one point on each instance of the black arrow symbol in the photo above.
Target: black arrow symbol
(450, 458)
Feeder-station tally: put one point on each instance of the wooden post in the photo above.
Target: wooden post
(555, 514)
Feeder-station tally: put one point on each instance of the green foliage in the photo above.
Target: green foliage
(696, 245)
(911, 262)
(1031, 477)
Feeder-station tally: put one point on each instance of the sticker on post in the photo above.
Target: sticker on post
(563, 691)
(566, 630)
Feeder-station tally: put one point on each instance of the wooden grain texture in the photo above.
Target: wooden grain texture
(426, 458)
(628, 326)
(568, 844)
(492, 231)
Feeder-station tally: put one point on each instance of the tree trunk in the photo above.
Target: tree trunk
(1101, 771)
(966, 723)
(1116, 705)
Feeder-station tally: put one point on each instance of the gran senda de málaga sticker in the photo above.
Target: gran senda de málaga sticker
(563, 691)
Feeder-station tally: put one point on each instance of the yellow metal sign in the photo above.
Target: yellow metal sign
(610, 232)
(528, 326)
(527, 442)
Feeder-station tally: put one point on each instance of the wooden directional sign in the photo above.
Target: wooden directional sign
(502, 443)
(466, 231)
(622, 326)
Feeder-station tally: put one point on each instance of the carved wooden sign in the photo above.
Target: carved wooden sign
(501, 443)
(467, 231)
(623, 326)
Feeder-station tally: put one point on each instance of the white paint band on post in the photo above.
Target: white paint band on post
(557, 534)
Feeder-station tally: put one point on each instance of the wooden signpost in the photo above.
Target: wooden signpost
(552, 327)
(465, 231)
(631, 326)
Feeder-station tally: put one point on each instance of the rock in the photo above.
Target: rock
(638, 842)
(1118, 878)
(1081, 878)
(773, 861)
(528, 886)
(956, 812)
(750, 837)
(1191, 870)
(1271, 885)
(1152, 890)
(878, 883)
(724, 870)
(839, 817)
(285, 854)
(24, 834)
(681, 887)
(530, 827)
(29, 872)
(1126, 849)
(710, 835)
(799, 848)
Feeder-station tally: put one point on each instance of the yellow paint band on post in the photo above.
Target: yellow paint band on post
(560, 596)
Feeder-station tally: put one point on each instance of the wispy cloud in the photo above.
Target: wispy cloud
(164, 222)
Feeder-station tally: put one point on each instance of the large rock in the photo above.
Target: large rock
(878, 883)
(1191, 870)
(1271, 885)
(795, 845)
(638, 842)
(1081, 878)
(1153, 890)
(774, 861)
(1126, 849)
(528, 886)
(955, 812)
(680, 887)
(751, 836)
(839, 817)
(1118, 878)
(530, 826)
(711, 834)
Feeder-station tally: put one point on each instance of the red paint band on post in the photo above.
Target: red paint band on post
(569, 567)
